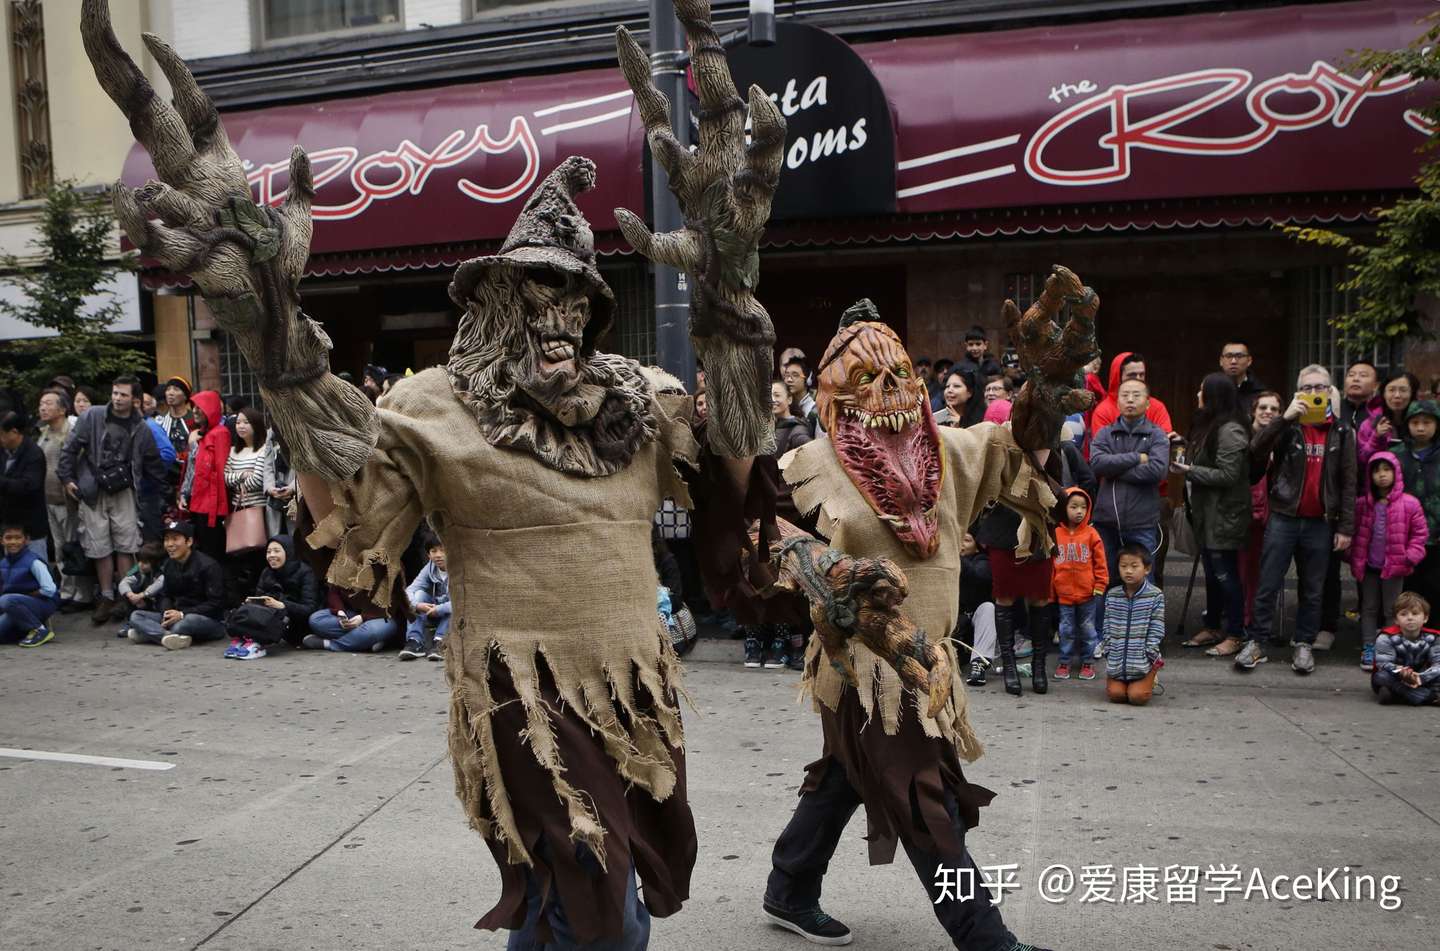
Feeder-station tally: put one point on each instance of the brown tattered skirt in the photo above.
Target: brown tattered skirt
(902, 778)
(657, 837)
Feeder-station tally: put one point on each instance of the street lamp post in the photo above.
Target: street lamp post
(673, 350)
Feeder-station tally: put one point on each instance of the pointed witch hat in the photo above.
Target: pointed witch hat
(550, 233)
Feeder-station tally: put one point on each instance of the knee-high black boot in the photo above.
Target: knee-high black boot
(1040, 638)
(1005, 640)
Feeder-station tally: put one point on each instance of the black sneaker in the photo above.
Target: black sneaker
(778, 655)
(436, 646)
(313, 642)
(1022, 946)
(977, 672)
(413, 650)
(752, 652)
(814, 925)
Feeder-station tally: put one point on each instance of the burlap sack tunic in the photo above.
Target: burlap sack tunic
(913, 758)
(564, 724)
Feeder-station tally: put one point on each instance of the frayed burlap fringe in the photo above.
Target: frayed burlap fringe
(640, 746)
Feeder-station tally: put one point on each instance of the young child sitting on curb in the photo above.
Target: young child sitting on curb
(1407, 656)
(1134, 627)
(1081, 577)
(142, 584)
(429, 595)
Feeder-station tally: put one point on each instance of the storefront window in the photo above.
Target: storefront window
(633, 334)
(484, 8)
(236, 377)
(1314, 340)
(286, 20)
(1023, 289)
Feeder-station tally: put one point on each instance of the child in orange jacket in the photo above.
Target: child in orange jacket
(1080, 577)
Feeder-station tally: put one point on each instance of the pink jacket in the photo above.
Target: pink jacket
(1405, 531)
(1368, 441)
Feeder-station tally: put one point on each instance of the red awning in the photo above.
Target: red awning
(1227, 119)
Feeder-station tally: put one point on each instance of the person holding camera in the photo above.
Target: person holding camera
(1309, 456)
(101, 465)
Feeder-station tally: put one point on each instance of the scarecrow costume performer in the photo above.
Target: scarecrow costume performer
(529, 452)
(889, 484)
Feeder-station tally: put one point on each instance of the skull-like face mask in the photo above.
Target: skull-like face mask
(877, 413)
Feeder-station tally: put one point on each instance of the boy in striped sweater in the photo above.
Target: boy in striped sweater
(1134, 627)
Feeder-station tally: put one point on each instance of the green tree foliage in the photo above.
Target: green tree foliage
(67, 295)
(1390, 274)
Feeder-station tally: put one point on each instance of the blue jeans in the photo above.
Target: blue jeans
(22, 613)
(1224, 596)
(1115, 538)
(1081, 615)
(636, 924)
(415, 630)
(1308, 541)
(363, 638)
(197, 626)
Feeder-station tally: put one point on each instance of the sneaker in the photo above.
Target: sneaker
(1324, 641)
(776, 658)
(1062, 670)
(1087, 671)
(814, 926)
(436, 651)
(1367, 659)
(41, 635)
(135, 636)
(313, 642)
(175, 642)
(233, 650)
(1304, 661)
(250, 651)
(1250, 655)
(1024, 647)
(1022, 946)
(413, 650)
(103, 609)
(752, 652)
(977, 672)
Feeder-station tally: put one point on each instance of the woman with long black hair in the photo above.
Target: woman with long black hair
(1217, 484)
(963, 403)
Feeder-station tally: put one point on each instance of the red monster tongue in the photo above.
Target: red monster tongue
(899, 473)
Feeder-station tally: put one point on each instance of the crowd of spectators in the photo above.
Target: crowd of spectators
(1324, 479)
(172, 514)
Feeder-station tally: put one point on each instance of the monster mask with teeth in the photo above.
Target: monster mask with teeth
(877, 413)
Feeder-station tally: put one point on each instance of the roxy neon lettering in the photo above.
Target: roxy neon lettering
(405, 169)
(1333, 97)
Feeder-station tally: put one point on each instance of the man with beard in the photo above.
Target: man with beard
(889, 483)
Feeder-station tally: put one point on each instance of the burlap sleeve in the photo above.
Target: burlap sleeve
(376, 513)
(984, 465)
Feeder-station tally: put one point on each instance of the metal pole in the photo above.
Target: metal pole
(672, 293)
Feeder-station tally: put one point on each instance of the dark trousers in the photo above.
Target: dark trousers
(1330, 600)
(803, 852)
(1425, 579)
(1224, 595)
(635, 937)
(1308, 541)
(1415, 696)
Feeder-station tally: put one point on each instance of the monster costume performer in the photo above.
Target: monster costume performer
(888, 483)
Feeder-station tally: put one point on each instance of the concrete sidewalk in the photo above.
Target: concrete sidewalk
(310, 806)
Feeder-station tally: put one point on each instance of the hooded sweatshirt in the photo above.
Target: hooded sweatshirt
(205, 474)
(1080, 569)
(1394, 526)
(1109, 410)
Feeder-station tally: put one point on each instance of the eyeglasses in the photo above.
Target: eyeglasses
(1315, 388)
(1240, 355)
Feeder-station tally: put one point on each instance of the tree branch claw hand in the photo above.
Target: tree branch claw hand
(1055, 339)
(724, 189)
